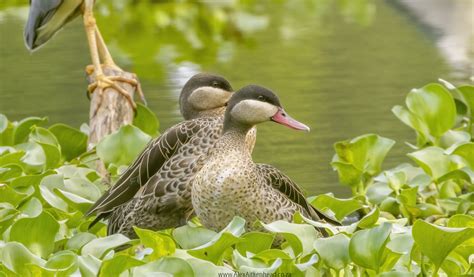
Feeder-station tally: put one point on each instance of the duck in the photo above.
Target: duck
(229, 183)
(154, 192)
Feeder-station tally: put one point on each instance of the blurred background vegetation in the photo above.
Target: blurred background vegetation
(338, 65)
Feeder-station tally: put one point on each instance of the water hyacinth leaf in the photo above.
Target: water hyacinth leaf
(162, 245)
(262, 270)
(63, 263)
(7, 215)
(348, 174)
(24, 127)
(129, 139)
(401, 243)
(340, 207)
(72, 141)
(29, 180)
(390, 205)
(6, 131)
(88, 265)
(79, 240)
(15, 257)
(452, 137)
(270, 255)
(190, 237)
(366, 247)
(411, 120)
(11, 158)
(118, 264)
(37, 233)
(466, 151)
(42, 135)
(370, 219)
(32, 207)
(10, 195)
(244, 264)
(334, 251)
(467, 92)
(9, 172)
(434, 106)
(34, 158)
(100, 246)
(446, 239)
(299, 236)
(205, 268)
(174, 266)
(461, 220)
(47, 187)
(214, 250)
(433, 160)
(378, 192)
(254, 242)
(146, 120)
(366, 152)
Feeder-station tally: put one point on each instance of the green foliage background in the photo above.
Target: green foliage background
(414, 219)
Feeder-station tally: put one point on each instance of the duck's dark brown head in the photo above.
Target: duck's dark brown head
(254, 104)
(204, 95)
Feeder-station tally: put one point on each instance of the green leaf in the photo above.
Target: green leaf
(254, 242)
(467, 92)
(299, 236)
(122, 147)
(190, 237)
(64, 263)
(146, 120)
(88, 265)
(434, 106)
(433, 161)
(6, 131)
(214, 250)
(361, 155)
(118, 264)
(32, 207)
(340, 207)
(370, 219)
(175, 266)
(15, 256)
(446, 240)
(37, 233)
(10, 195)
(72, 141)
(466, 151)
(100, 246)
(162, 245)
(79, 240)
(334, 251)
(366, 247)
(24, 127)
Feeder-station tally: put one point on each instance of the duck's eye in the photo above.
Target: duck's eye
(261, 98)
(215, 84)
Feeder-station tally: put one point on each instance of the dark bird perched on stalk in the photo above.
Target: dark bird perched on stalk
(230, 184)
(154, 192)
(47, 17)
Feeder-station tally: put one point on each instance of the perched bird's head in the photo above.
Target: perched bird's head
(204, 95)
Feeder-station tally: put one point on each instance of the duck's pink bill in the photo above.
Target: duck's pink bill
(283, 118)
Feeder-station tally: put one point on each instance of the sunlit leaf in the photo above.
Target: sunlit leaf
(446, 239)
(100, 246)
(334, 251)
(15, 256)
(72, 141)
(129, 139)
(23, 128)
(146, 120)
(174, 266)
(118, 264)
(162, 245)
(36, 233)
(366, 247)
(340, 207)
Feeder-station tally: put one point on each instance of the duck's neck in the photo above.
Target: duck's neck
(233, 140)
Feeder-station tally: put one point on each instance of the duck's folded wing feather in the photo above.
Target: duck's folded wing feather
(152, 158)
(285, 185)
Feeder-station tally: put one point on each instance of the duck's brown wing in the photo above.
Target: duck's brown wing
(284, 184)
(151, 159)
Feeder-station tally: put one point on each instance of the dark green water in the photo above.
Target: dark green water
(337, 69)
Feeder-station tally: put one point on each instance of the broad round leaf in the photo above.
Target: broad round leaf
(122, 147)
(446, 239)
(367, 246)
(37, 233)
(334, 251)
(146, 120)
(72, 141)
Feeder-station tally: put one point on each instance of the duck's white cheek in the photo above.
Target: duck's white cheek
(206, 98)
(253, 111)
